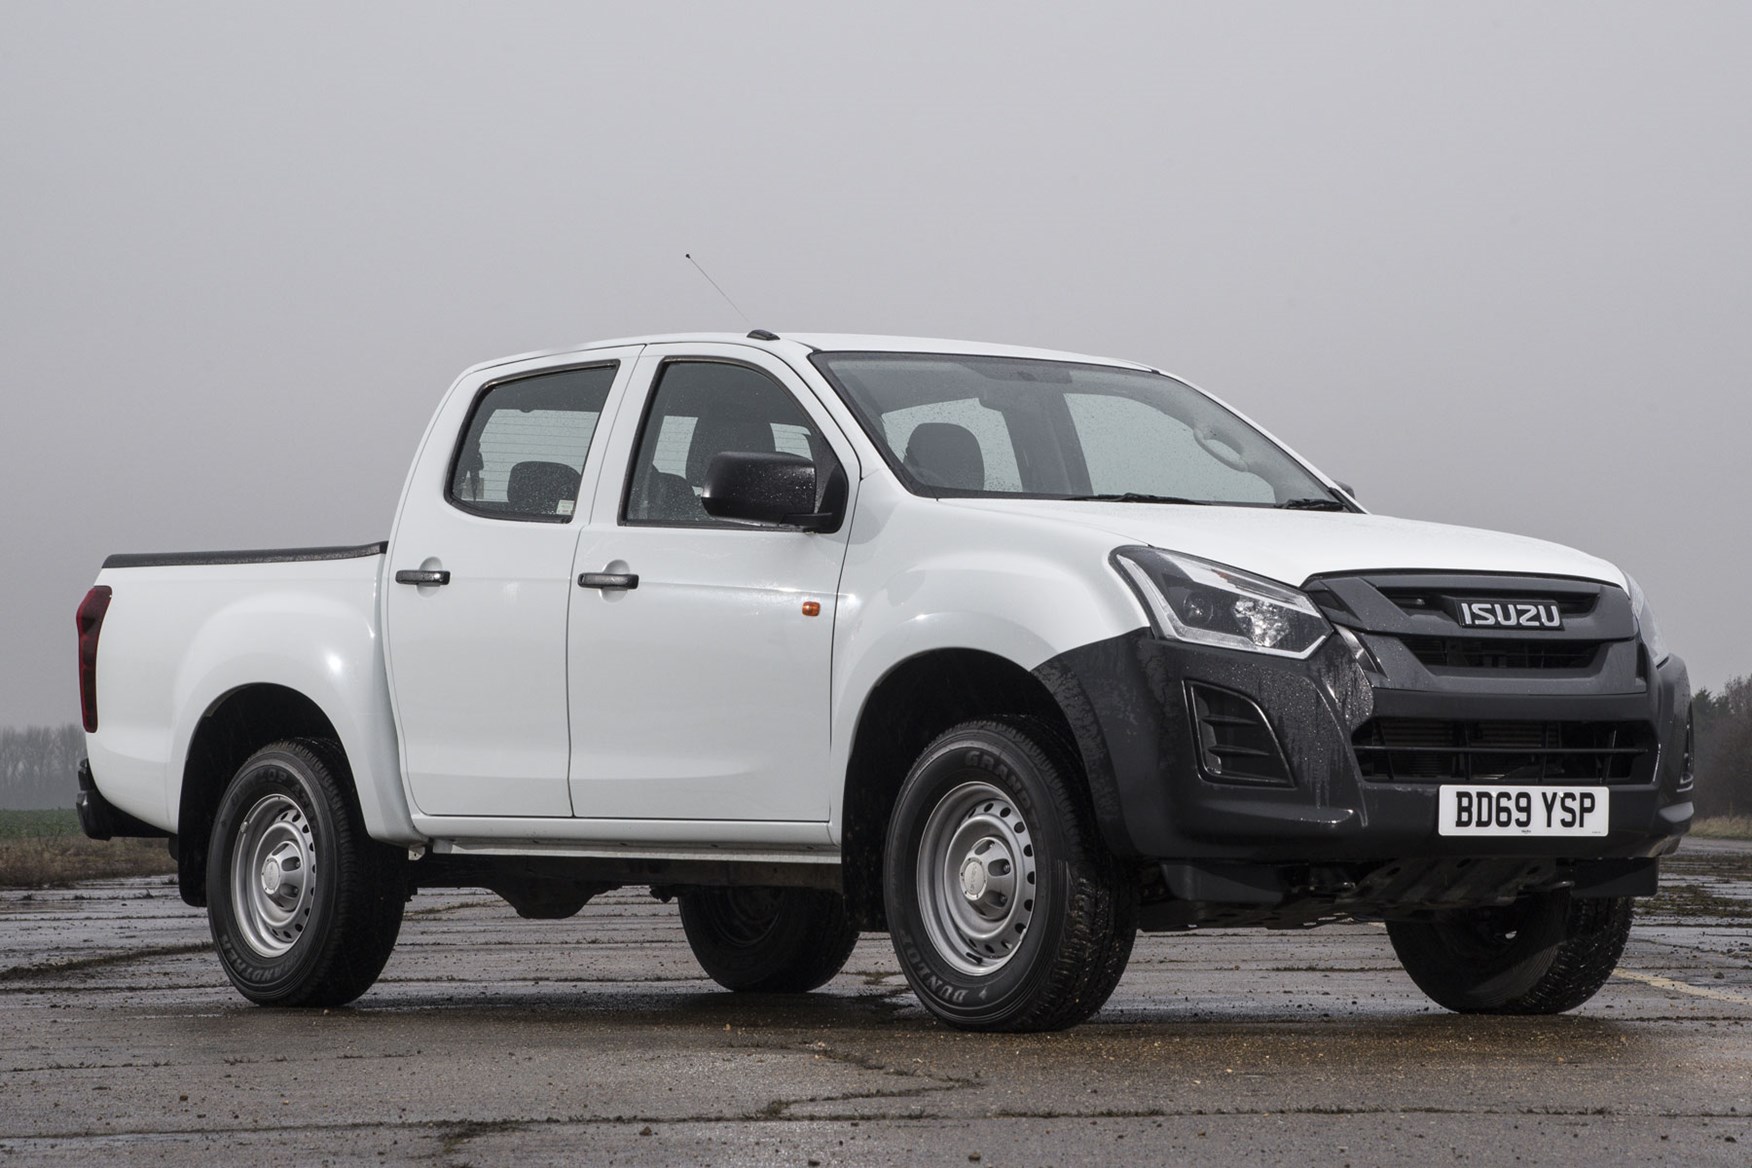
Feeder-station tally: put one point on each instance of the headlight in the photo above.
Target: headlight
(1212, 604)
(1645, 621)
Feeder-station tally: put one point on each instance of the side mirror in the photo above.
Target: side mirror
(763, 488)
(1346, 488)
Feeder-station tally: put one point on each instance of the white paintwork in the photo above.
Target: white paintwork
(1292, 546)
(702, 711)
(178, 640)
(478, 666)
(703, 693)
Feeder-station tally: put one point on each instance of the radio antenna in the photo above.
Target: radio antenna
(689, 257)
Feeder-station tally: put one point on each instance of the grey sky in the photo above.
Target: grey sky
(1490, 262)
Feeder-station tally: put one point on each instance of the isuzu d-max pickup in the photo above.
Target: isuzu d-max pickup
(1009, 653)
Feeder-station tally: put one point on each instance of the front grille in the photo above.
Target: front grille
(1569, 604)
(1235, 742)
(1478, 653)
(1428, 749)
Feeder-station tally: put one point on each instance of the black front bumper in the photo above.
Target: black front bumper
(1133, 705)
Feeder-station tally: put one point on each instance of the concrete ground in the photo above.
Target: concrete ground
(492, 1040)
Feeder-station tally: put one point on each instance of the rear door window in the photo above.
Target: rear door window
(522, 453)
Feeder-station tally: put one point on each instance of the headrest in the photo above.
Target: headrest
(713, 436)
(536, 488)
(943, 454)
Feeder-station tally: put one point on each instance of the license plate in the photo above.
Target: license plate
(1476, 809)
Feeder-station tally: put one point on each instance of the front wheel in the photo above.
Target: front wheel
(1005, 908)
(1544, 954)
(304, 906)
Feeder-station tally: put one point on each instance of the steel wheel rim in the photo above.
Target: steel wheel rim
(975, 878)
(273, 875)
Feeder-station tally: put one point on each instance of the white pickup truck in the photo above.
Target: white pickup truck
(1009, 653)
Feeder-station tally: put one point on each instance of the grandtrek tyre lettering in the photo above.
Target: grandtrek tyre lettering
(320, 934)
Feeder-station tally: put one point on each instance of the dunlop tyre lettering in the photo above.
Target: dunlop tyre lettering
(1079, 931)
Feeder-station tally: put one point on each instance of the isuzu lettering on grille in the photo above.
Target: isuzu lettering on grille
(1511, 614)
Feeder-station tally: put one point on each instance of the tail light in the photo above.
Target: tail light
(90, 622)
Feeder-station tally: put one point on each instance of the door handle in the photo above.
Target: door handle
(624, 581)
(423, 576)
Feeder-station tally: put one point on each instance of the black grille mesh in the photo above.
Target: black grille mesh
(1434, 600)
(1428, 749)
(1235, 743)
(1479, 653)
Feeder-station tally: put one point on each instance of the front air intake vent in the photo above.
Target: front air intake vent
(1415, 600)
(1431, 750)
(1479, 653)
(1235, 742)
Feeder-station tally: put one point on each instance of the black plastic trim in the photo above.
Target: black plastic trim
(609, 581)
(262, 556)
(100, 819)
(1125, 699)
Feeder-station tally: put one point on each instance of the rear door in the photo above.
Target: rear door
(481, 579)
(702, 693)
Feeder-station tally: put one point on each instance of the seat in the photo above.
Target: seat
(666, 498)
(536, 488)
(943, 454)
(670, 498)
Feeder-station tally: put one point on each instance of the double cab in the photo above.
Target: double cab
(1007, 653)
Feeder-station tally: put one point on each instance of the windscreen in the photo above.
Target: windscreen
(993, 426)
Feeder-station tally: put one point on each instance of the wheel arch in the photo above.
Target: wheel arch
(914, 702)
(233, 727)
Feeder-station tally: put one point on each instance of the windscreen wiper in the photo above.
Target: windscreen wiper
(1136, 497)
(1312, 505)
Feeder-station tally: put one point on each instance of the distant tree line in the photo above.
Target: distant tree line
(39, 766)
(1723, 723)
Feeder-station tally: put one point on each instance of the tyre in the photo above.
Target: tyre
(1544, 954)
(304, 906)
(1005, 908)
(768, 940)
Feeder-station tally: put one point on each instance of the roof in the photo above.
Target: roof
(828, 342)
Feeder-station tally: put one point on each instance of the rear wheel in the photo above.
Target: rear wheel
(768, 940)
(1544, 954)
(303, 905)
(1005, 908)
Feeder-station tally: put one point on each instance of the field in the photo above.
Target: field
(1724, 827)
(46, 849)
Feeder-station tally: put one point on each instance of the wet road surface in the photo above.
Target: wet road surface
(492, 1040)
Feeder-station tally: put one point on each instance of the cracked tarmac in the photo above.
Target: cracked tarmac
(597, 1040)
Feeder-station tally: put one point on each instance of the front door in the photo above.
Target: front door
(476, 629)
(703, 691)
